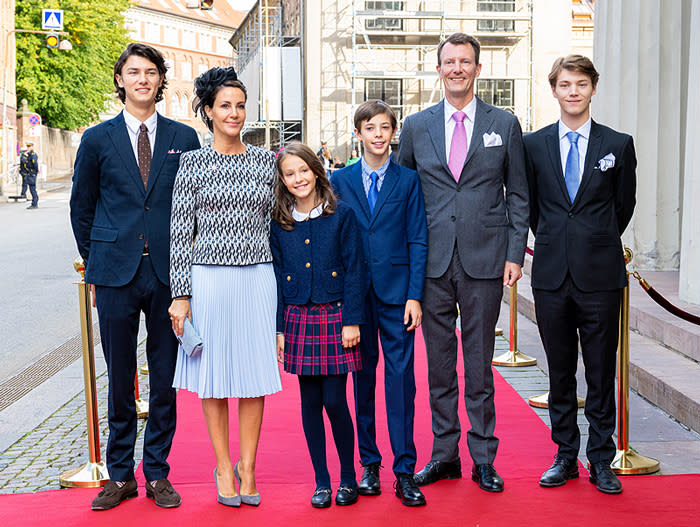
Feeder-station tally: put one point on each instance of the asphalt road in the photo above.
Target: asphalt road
(38, 299)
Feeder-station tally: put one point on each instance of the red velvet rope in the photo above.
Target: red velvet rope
(668, 306)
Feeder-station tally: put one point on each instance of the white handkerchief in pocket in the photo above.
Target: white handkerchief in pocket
(492, 139)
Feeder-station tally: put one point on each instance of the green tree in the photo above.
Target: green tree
(70, 88)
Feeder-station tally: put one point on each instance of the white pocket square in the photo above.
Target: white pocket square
(492, 139)
(606, 162)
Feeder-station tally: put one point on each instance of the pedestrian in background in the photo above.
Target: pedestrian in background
(354, 158)
(28, 169)
(222, 279)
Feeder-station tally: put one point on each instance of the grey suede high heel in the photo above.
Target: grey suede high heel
(230, 501)
(246, 499)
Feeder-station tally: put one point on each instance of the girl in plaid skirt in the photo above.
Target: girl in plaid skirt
(322, 281)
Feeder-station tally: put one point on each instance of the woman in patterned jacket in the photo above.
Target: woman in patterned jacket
(222, 278)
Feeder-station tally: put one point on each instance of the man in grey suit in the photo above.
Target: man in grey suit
(469, 156)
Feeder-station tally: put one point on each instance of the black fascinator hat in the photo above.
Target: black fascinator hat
(208, 84)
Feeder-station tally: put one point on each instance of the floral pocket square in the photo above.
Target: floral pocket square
(492, 139)
(606, 162)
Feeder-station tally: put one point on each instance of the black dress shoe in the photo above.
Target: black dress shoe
(347, 495)
(408, 491)
(604, 478)
(561, 470)
(369, 484)
(487, 478)
(321, 498)
(437, 470)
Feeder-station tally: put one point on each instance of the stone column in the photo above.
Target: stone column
(689, 284)
(638, 53)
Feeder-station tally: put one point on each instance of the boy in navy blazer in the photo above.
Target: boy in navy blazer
(120, 212)
(388, 202)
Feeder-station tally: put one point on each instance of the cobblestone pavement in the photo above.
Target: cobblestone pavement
(60, 443)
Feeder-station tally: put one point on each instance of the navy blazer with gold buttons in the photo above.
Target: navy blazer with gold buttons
(321, 261)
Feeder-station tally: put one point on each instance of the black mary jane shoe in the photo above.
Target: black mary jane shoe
(321, 498)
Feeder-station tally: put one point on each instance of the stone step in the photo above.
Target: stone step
(664, 375)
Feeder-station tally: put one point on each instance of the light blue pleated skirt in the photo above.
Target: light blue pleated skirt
(233, 309)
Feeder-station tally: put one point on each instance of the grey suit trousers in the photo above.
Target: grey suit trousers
(479, 301)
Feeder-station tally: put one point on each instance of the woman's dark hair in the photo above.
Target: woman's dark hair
(208, 84)
(284, 201)
(148, 53)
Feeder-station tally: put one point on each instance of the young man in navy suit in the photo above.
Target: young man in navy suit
(388, 202)
(582, 182)
(120, 212)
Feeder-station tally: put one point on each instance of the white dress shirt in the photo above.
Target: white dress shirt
(584, 133)
(470, 112)
(133, 125)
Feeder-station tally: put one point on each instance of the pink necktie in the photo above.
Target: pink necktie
(458, 147)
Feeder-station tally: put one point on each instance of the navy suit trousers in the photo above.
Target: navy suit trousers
(119, 310)
(385, 322)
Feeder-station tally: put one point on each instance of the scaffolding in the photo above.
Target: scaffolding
(270, 24)
(398, 40)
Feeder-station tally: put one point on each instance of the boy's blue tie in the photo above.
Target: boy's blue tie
(372, 193)
(571, 176)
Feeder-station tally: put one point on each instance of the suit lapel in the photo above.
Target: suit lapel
(120, 138)
(592, 154)
(391, 177)
(436, 131)
(164, 137)
(355, 177)
(555, 158)
(482, 123)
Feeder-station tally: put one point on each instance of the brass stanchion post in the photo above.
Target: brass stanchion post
(627, 461)
(513, 357)
(141, 405)
(94, 472)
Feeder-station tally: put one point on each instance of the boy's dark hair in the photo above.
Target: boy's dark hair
(208, 84)
(577, 63)
(458, 39)
(284, 199)
(148, 53)
(369, 109)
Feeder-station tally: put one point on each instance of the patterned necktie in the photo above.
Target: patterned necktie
(572, 174)
(373, 192)
(458, 146)
(143, 149)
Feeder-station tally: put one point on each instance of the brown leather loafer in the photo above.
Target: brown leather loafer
(112, 495)
(164, 494)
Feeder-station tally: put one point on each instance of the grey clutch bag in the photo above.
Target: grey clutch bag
(190, 340)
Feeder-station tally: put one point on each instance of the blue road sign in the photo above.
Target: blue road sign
(52, 19)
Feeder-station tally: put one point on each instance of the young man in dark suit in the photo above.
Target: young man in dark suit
(120, 212)
(581, 178)
(469, 156)
(388, 203)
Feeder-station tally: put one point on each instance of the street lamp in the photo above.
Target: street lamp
(64, 45)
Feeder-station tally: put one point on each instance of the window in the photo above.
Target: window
(496, 6)
(201, 69)
(188, 39)
(392, 24)
(387, 90)
(152, 32)
(186, 71)
(498, 92)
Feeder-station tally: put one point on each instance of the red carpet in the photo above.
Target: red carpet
(285, 480)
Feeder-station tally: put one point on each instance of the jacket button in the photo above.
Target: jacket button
(334, 274)
(289, 278)
(571, 214)
(308, 264)
(452, 218)
(307, 241)
(147, 207)
(141, 236)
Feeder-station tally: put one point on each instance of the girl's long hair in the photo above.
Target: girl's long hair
(284, 200)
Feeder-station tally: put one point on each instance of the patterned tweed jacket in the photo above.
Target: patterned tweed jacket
(221, 212)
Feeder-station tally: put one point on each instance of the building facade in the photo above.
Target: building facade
(191, 40)
(8, 65)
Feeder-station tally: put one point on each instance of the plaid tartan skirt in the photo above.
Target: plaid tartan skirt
(313, 343)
